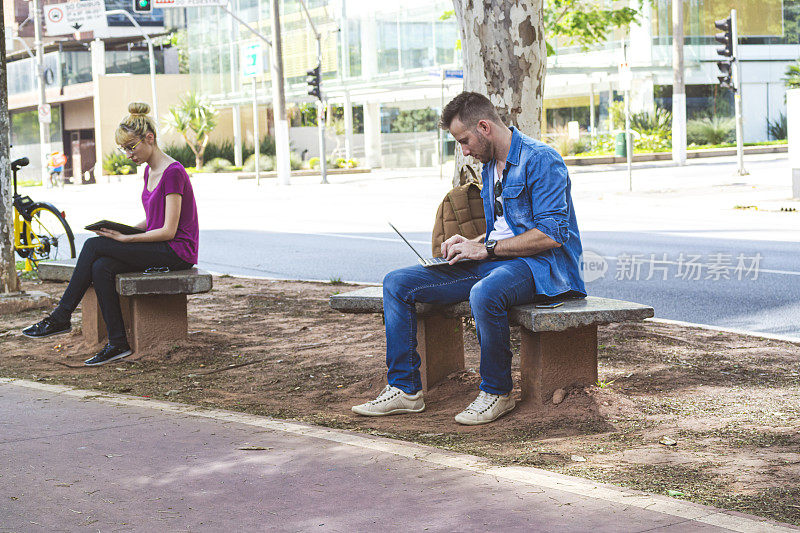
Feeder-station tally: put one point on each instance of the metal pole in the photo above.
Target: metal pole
(678, 86)
(44, 127)
(737, 96)
(628, 143)
(151, 57)
(323, 161)
(256, 139)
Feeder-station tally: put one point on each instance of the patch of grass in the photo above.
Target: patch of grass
(604, 383)
(336, 281)
(238, 286)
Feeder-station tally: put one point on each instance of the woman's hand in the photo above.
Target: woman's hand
(113, 234)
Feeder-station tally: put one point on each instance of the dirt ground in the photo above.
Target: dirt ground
(730, 403)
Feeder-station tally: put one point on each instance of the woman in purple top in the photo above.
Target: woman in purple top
(170, 238)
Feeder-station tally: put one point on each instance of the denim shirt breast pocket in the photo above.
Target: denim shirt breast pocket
(518, 205)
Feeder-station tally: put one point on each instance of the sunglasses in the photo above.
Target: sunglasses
(128, 150)
(498, 192)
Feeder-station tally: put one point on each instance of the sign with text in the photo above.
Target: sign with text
(252, 60)
(71, 17)
(188, 3)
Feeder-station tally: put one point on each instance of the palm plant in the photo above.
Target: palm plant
(194, 117)
(714, 130)
(778, 129)
(792, 79)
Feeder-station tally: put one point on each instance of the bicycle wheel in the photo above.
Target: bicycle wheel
(47, 234)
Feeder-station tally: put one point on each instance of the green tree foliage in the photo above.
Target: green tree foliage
(578, 22)
(415, 120)
(194, 117)
(583, 22)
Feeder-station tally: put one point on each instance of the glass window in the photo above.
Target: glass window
(25, 126)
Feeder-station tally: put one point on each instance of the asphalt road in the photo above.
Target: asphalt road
(705, 287)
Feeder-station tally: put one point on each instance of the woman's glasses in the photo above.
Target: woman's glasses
(128, 149)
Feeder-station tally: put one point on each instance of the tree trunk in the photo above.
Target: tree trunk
(8, 271)
(504, 58)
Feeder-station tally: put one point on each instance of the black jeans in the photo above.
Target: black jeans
(99, 262)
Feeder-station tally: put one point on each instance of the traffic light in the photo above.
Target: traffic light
(725, 51)
(142, 6)
(314, 79)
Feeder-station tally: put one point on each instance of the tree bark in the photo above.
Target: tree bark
(505, 55)
(8, 271)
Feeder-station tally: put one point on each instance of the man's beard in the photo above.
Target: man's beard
(485, 153)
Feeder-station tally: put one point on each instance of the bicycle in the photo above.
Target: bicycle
(41, 231)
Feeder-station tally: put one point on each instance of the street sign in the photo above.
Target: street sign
(625, 76)
(71, 17)
(453, 74)
(160, 4)
(252, 60)
(45, 114)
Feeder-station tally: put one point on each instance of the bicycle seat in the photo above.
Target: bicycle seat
(19, 163)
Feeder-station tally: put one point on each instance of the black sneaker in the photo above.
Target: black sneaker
(47, 328)
(109, 353)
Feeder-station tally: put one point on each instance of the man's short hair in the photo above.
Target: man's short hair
(469, 108)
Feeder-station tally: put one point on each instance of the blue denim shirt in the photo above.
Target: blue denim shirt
(536, 194)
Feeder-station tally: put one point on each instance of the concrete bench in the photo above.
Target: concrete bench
(153, 305)
(558, 350)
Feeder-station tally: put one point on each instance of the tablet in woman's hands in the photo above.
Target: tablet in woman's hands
(116, 226)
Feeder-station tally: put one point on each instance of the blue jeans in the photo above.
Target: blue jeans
(491, 287)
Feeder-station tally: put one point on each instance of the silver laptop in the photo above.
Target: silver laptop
(429, 262)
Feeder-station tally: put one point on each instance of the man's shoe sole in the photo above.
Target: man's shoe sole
(392, 412)
(120, 356)
(45, 336)
(479, 422)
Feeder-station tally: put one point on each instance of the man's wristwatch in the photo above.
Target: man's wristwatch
(490, 244)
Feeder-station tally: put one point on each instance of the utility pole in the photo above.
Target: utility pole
(678, 86)
(279, 100)
(8, 271)
(44, 126)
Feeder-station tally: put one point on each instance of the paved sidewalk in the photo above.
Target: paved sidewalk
(80, 461)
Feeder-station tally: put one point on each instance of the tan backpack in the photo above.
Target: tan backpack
(461, 212)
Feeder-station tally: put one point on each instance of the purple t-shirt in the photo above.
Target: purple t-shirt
(174, 180)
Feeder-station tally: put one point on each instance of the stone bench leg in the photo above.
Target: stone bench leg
(93, 325)
(150, 320)
(552, 360)
(440, 343)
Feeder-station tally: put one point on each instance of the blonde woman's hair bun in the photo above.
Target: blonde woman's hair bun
(138, 108)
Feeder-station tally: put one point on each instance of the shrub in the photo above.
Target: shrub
(659, 122)
(224, 149)
(352, 163)
(713, 130)
(266, 163)
(778, 130)
(294, 161)
(313, 162)
(116, 163)
(218, 164)
(339, 162)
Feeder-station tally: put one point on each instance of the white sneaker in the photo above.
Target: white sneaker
(486, 408)
(391, 401)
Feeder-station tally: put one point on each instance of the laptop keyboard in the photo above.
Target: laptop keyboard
(433, 261)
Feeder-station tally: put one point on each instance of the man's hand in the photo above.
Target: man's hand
(113, 234)
(455, 239)
(465, 249)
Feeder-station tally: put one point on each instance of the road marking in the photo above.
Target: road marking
(525, 475)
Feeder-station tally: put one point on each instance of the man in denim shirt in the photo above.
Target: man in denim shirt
(531, 251)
